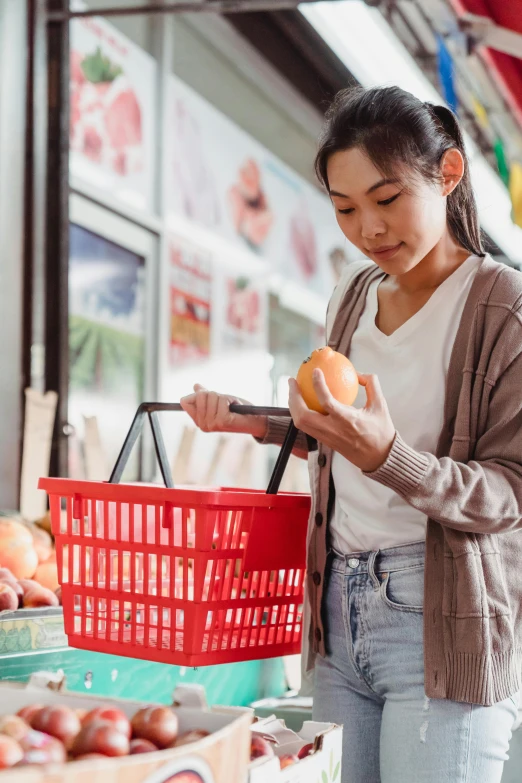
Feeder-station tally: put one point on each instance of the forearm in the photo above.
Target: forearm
(477, 497)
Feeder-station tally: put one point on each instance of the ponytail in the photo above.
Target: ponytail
(461, 207)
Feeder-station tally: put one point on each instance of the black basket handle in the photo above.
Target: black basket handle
(151, 409)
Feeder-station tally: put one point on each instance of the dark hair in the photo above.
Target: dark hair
(394, 127)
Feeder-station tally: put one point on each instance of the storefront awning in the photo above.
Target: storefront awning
(498, 24)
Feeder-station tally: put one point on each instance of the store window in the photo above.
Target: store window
(109, 336)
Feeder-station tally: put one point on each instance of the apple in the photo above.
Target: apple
(260, 747)
(306, 750)
(111, 714)
(287, 760)
(100, 736)
(156, 724)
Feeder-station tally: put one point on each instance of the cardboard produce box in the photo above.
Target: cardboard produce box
(221, 757)
(323, 765)
(294, 710)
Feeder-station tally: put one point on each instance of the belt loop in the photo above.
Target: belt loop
(371, 568)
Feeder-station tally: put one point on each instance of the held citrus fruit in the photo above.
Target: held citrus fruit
(339, 374)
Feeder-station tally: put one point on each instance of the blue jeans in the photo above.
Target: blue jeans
(372, 681)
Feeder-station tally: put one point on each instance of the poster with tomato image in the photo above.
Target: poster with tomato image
(190, 272)
(112, 112)
(190, 769)
(244, 318)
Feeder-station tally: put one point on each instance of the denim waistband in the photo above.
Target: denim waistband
(380, 561)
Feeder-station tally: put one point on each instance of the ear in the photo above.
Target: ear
(452, 170)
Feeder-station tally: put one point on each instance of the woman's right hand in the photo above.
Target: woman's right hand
(210, 411)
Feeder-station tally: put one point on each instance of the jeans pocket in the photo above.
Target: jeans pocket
(404, 590)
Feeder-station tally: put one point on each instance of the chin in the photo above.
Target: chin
(401, 264)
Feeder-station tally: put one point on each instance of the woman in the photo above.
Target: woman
(415, 550)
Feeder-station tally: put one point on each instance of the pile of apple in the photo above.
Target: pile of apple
(260, 746)
(40, 734)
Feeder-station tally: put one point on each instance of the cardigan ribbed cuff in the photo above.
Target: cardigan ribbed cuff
(403, 469)
(276, 429)
(482, 679)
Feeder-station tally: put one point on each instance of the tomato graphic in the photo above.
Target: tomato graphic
(184, 770)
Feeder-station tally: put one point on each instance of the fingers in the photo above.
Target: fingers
(303, 418)
(197, 407)
(374, 395)
(324, 395)
(212, 403)
(295, 400)
(209, 410)
(223, 414)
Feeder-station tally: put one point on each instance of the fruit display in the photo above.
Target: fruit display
(28, 570)
(17, 552)
(41, 734)
(339, 373)
(25, 593)
(262, 747)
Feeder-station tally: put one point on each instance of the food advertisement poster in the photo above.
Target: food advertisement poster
(228, 183)
(190, 288)
(106, 335)
(241, 313)
(112, 112)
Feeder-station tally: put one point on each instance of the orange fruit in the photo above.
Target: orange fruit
(47, 575)
(17, 552)
(339, 373)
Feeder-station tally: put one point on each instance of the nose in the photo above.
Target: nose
(372, 225)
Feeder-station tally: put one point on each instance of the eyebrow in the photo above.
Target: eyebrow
(373, 188)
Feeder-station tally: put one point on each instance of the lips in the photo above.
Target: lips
(386, 252)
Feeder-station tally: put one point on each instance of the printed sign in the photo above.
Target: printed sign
(190, 303)
(112, 112)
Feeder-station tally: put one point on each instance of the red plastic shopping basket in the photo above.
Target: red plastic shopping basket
(191, 577)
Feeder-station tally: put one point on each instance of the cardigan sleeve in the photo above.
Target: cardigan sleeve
(276, 430)
(483, 495)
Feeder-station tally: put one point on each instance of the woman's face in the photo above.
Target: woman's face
(394, 225)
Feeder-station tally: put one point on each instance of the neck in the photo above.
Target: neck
(434, 268)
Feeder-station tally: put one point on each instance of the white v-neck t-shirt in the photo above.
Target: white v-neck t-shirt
(412, 365)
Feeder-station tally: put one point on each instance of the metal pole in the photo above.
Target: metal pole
(182, 6)
(57, 227)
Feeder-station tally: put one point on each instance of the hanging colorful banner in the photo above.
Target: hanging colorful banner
(515, 190)
(112, 112)
(480, 112)
(190, 302)
(446, 70)
(502, 164)
(225, 181)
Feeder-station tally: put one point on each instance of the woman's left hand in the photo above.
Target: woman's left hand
(363, 436)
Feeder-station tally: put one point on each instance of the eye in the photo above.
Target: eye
(345, 211)
(388, 200)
